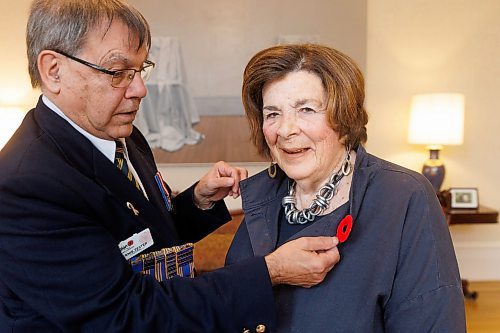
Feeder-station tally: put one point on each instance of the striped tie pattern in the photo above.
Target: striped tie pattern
(121, 163)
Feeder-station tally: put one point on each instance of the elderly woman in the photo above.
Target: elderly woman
(398, 271)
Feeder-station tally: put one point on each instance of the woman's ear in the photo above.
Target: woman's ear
(49, 64)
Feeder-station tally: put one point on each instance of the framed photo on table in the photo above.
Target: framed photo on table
(464, 197)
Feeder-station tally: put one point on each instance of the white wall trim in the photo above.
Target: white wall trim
(478, 261)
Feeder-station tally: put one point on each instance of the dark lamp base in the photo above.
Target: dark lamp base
(433, 170)
(435, 174)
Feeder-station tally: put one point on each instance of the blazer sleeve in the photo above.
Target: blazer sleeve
(62, 265)
(192, 223)
(426, 293)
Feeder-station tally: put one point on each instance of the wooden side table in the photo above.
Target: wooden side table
(482, 214)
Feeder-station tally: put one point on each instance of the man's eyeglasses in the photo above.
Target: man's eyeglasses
(120, 78)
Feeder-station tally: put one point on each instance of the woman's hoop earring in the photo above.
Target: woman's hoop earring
(272, 170)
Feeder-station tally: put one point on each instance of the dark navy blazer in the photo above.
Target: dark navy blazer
(64, 209)
(397, 272)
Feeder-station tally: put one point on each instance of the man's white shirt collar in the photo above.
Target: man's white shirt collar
(107, 147)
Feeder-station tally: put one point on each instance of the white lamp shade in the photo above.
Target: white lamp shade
(10, 119)
(437, 119)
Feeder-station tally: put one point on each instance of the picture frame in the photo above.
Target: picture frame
(464, 197)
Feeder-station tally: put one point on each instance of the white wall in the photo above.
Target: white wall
(15, 87)
(417, 46)
(219, 37)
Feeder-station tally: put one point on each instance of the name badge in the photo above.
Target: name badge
(136, 243)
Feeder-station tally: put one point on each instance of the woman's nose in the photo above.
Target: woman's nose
(288, 125)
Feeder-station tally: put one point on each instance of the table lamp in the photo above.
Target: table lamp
(436, 120)
(10, 119)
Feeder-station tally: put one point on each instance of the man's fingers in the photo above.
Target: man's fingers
(304, 261)
(237, 174)
(321, 243)
(330, 258)
(242, 174)
(214, 184)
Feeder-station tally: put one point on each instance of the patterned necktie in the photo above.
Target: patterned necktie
(121, 163)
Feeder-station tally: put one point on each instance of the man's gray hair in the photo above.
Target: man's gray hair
(63, 25)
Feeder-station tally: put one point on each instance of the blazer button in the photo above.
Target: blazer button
(260, 328)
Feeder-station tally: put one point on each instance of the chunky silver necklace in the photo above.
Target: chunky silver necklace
(322, 200)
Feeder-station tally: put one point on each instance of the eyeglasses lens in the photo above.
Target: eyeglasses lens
(123, 78)
(146, 72)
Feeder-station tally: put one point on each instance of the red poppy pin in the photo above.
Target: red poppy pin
(344, 228)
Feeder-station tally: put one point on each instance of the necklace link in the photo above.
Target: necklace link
(322, 200)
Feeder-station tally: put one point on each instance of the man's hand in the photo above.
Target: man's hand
(303, 262)
(222, 180)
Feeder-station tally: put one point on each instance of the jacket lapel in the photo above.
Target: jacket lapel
(262, 209)
(146, 169)
(132, 200)
(83, 156)
(364, 171)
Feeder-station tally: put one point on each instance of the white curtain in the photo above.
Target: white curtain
(168, 111)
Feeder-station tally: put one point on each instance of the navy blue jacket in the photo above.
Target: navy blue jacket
(397, 272)
(63, 211)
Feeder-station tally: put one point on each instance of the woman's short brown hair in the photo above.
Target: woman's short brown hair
(341, 78)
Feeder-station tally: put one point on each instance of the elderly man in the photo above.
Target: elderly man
(65, 207)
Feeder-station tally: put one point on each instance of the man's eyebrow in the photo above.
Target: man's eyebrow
(117, 58)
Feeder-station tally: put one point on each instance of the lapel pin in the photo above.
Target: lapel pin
(132, 208)
(344, 228)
